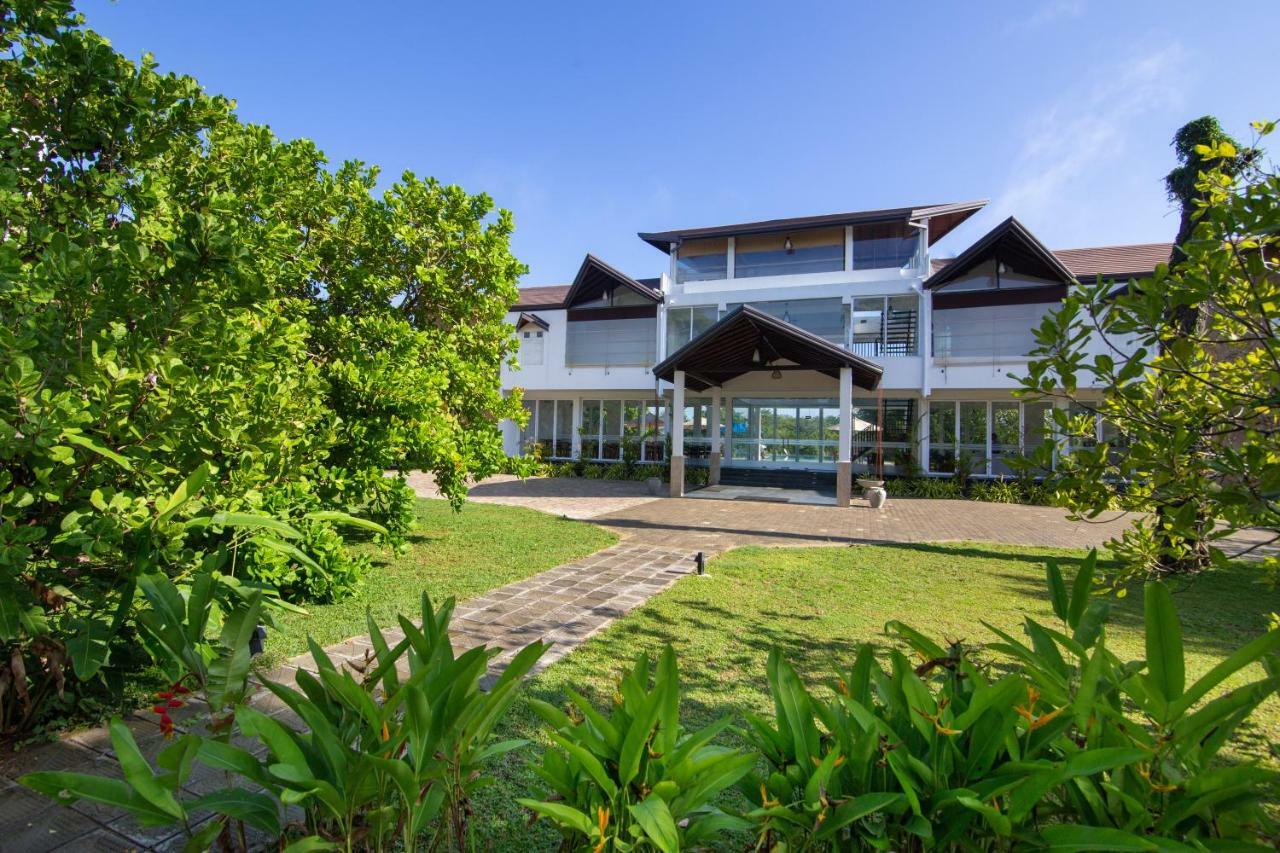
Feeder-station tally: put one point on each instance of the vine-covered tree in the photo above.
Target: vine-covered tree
(1195, 407)
(183, 292)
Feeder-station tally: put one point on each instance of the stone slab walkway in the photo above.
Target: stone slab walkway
(570, 497)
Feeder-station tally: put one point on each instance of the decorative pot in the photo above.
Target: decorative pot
(655, 486)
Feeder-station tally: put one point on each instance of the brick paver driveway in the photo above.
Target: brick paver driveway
(570, 497)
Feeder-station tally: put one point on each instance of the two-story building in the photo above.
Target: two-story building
(827, 346)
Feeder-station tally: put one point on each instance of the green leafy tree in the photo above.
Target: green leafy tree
(183, 292)
(1192, 410)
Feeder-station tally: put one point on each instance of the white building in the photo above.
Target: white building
(816, 346)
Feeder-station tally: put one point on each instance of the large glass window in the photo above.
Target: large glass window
(685, 324)
(788, 431)
(817, 250)
(550, 428)
(1004, 436)
(883, 436)
(995, 331)
(885, 325)
(697, 427)
(987, 276)
(611, 343)
(887, 245)
(702, 260)
(942, 437)
(608, 426)
(822, 317)
(973, 436)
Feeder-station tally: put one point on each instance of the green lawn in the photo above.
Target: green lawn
(818, 604)
(450, 554)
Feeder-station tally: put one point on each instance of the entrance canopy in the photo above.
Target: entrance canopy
(747, 340)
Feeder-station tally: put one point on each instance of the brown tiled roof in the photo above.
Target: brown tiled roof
(1138, 259)
(1106, 261)
(550, 296)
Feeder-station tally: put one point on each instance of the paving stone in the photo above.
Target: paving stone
(29, 822)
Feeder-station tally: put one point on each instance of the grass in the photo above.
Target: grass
(819, 604)
(449, 554)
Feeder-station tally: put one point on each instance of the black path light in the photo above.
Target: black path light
(700, 559)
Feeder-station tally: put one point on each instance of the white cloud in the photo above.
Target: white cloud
(1048, 12)
(1085, 134)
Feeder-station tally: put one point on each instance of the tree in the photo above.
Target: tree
(1194, 411)
(185, 298)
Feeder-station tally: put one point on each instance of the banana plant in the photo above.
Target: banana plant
(633, 779)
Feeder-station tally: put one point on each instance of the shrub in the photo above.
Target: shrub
(947, 754)
(326, 570)
(386, 758)
(634, 779)
(997, 491)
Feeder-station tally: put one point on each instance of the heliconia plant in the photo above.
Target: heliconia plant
(633, 779)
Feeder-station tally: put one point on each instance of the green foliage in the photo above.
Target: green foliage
(945, 755)
(390, 754)
(185, 294)
(634, 779)
(1192, 409)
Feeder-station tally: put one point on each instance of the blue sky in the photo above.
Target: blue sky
(592, 121)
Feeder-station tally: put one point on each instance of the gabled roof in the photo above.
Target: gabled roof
(942, 219)
(592, 272)
(1011, 244)
(595, 276)
(1133, 261)
(747, 339)
(532, 320)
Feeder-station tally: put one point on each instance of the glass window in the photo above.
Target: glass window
(546, 425)
(685, 324)
(868, 325)
(1004, 436)
(654, 448)
(1083, 430)
(885, 325)
(973, 435)
(821, 317)
(942, 437)
(702, 260)
(799, 252)
(563, 446)
(883, 436)
(530, 428)
(611, 441)
(611, 342)
(994, 331)
(886, 245)
(590, 429)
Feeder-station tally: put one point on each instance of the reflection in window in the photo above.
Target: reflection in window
(822, 317)
(942, 437)
(796, 253)
(895, 431)
(702, 260)
(608, 426)
(531, 347)
(885, 325)
(685, 324)
(1004, 436)
(886, 245)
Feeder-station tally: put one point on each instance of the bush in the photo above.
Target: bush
(325, 572)
(183, 295)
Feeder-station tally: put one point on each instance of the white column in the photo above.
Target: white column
(844, 457)
(677, 435)
(677, 415)
(715, 420)
(846, 414)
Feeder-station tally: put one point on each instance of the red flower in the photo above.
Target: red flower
(159, 709)
(176, 703)
(166, 725)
